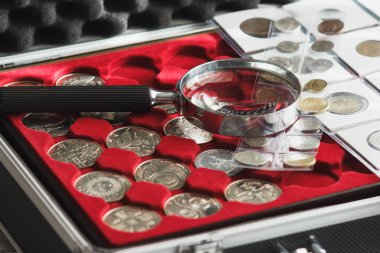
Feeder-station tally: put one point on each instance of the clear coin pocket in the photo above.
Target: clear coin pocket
(294, 149)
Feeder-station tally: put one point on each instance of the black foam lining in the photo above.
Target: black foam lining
(24, 23)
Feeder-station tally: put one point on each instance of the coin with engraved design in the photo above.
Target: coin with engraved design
(109, 186)
(287, 25)
(257, 27)
(252, 191)
(132, 219)
(54, 124)
(167, 172)
(137, 139)
(82, 153)
(188, 128)
(79, 79)
(218, 159)
(192, 205)
(346, 103)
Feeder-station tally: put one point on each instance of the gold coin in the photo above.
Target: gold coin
(299, 160)
(313, 105)
(330, 26)
(257, 27)
(370, 48)
(316, 85)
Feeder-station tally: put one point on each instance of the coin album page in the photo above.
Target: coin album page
(368, 105)
(231, 23)
(349, 61)
(337, 73)
(374, 79)
(346, 48)
(371, 5)
(310, 14)
(366, 140)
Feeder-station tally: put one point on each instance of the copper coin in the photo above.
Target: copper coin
(322, 46)
(330, 26)
(370, 48)
(256, 27)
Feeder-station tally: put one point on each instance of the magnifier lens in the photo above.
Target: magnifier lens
(239, 92)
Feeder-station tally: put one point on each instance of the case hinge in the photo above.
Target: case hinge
(215, 246)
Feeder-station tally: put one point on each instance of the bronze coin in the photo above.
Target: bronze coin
(330, 26)
(322, 46)
(370, 48)
(256, 27)
(267, 95)
(315, 85)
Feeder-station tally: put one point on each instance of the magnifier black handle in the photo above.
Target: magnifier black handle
(68, 99)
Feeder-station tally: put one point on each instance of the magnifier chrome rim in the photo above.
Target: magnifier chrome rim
(238, 63)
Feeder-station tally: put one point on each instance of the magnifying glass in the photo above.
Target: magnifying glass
(231, 97)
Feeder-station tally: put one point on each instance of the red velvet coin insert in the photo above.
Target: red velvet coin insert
(160, 65)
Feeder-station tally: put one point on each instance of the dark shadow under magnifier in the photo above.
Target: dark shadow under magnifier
(233, 97)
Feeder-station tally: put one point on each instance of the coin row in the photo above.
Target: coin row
(112, 187)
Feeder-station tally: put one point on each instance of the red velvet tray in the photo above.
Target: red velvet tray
(160, 65)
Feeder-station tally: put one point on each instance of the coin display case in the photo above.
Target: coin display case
(160, 65)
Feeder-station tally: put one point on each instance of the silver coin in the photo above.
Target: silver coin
(218, 159)
(288, 47)
(132, 219)
(54, 124)
(192, 205)
(106, 185)
(188, 128)
(137, 139)
(82, 153)
(281, 61)
(167, 172)
(287, 24)
(374, 140)
(168, 108)
(259, 142)
(23, 83)
(115, 118)
(79, 79)
(252, 191)
(303, 143)
(322, 46)
(346, 103)
(301, 64)
(320, 65)
(252, 158)
(308, 125)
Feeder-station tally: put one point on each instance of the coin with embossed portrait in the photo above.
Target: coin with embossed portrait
(167, 172)
(218, 159)
(288, 47)
(192, 205)
(54, 124)
(137, 139)
(257, 27)
(188, 128)
(82, 153)
(79, 79)
(322, 46)
(281, 61)
(330, 26)
(252, 191)
(132, 219)
(109, 186)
